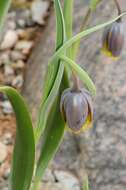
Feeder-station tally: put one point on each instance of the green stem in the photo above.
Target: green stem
(83, 26)
(118, 9)
(81, 73)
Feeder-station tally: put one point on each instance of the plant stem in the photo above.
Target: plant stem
(76, 83)
(75, 50)
(118, 9)
(84, 24)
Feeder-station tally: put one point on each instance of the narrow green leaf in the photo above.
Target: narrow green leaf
(4, 6)
(52, 120)
(68, 19)
(81, 73)
(94, 3)
(53, 67)
(52, 136)
(24, 149)
(46, 108)
(54, 74)
(86, 184)
(77, 37)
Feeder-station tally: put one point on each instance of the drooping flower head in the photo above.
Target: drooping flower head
(113, 39)
(77, 109)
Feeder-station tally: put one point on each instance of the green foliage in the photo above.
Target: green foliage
(94, 3)
(86, 184)
(24, 149)
(4, 6)
(50, 125)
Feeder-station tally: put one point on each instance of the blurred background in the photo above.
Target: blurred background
(26, 45)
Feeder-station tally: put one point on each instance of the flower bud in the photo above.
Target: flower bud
(77, 110)
(113, 39)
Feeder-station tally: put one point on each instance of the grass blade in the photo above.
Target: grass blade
(54, 74)
(4, 6)
(54, 123)
(24, 150)
(68, 18)
(94, 3)
(86, 184)
(52, 136)
(81, 73)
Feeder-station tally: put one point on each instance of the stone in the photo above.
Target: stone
(7, 108)
(9, 40)
(7, 173)
(18, 81)
(19, 64)
(8, 70)
(16, 55)
(3, 152)
(7, 139)
(39, 11)
(24, 45)
(5, 57)
(67, 180)
(48, 176)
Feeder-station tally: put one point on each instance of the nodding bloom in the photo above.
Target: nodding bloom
(77, 109)
(113, 39)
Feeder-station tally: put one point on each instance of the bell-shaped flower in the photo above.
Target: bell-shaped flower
(77, 109)
(113, 39)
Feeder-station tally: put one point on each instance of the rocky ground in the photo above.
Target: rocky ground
(21, 31)
(101, 154)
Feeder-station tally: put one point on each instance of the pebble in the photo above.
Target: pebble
(9, 40)
(39, 11)
(24, 45)
(8, 70)
(48, 176)
(11, 25)
(68, 180)
(7, 139)
(20, 64)
(5, 57)
(18, 81)
(7, 108)
(16, 55)
(3, 152)
(7, 173)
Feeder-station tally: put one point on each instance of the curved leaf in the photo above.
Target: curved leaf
(81, 73)
(54, 75)
(24, 149)
(52, 136)
(77, 37)
(50, 117)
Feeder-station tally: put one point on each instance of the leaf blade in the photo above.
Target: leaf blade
(24, 150)
(4, 6)
(80, 35)
(52, 84)
(82, 74)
